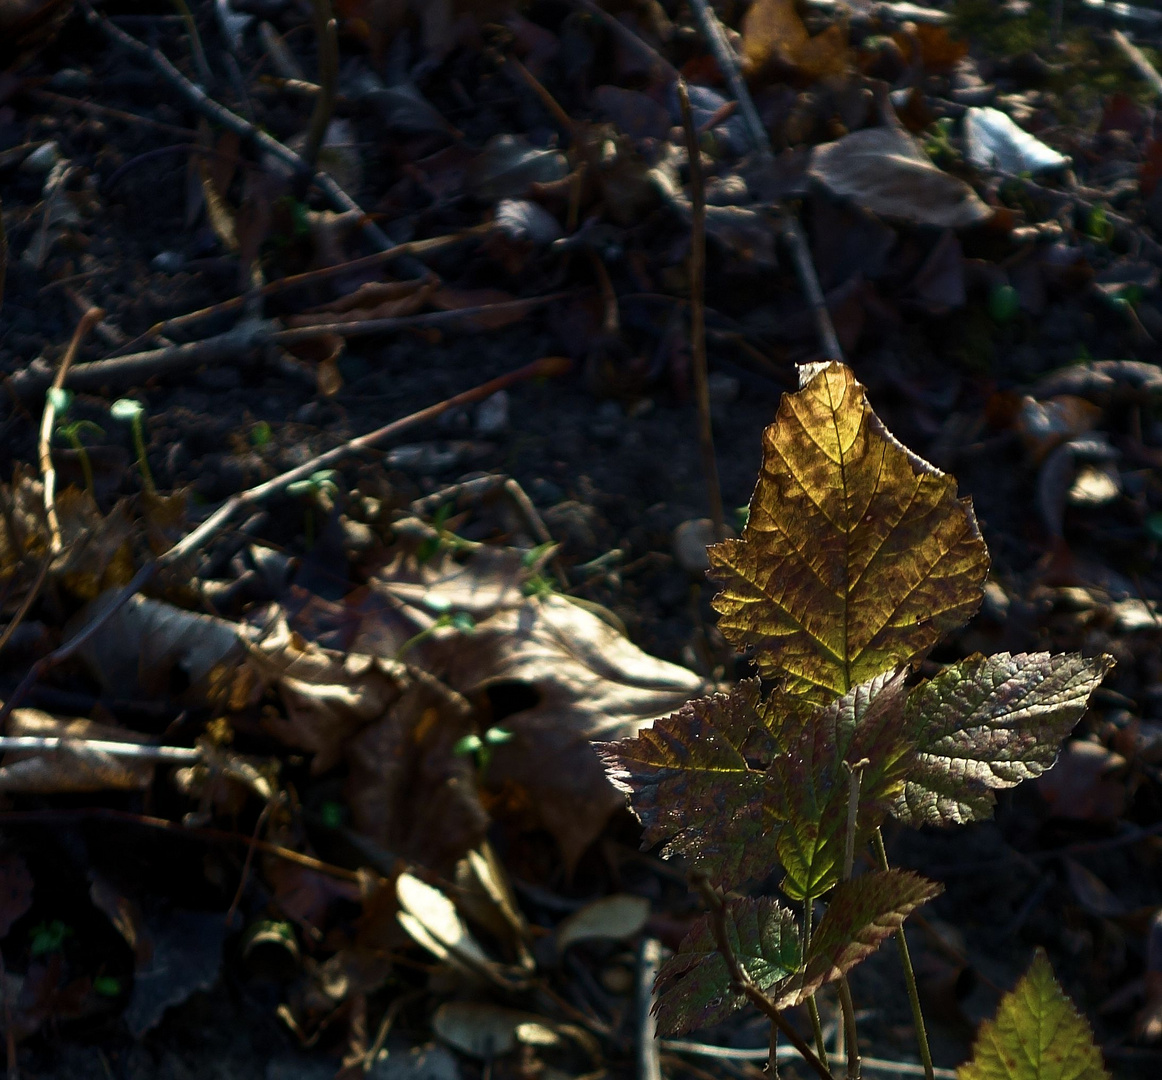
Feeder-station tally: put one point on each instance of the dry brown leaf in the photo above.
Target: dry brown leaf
(773, 32)
(72, 768)
(884, 170)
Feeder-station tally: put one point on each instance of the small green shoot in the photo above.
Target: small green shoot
(1004, 304)
(333, 814)
(49, 938)
(261, 434)
(320, 490)
(1098, 225)
(482, 748)
(62, 402)
(132, 412)
(108, 986)
(458, 620)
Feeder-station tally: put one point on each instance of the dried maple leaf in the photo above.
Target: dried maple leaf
(857, 556)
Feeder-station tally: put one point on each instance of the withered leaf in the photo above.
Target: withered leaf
(861, 913)
(864, 729)
(689, 782)
(987, 723)
(694, 986)
(857, 556)
(773, 30)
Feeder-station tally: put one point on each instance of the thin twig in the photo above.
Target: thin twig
(627, 37)
(100, 813)
(742, 983)
(201, 64)
(1139, 60)
(921, 1030)
(727, 61)
(325, 31)
(698, 314)
(217, 521)
(809, 282)
(48, 422)
(229, 346)
(47, 744)
(214, 111)
(649, 961)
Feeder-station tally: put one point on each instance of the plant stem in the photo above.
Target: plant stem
(142, 460)
(854, 778)
(817, 1028)
(909, 973)
(83, 457)
(328, 72)
(742, 982)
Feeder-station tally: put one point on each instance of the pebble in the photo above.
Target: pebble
(42, 160)
(690, 541)
(70, 80)
(357, 537)
(492, 415)
(607, 425)
(168, 262)
(547, 493)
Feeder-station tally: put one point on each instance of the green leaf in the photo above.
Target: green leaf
(865, 725)
(61, 399)
(689, 782)
(857, 555)
(126, 409)
(694, 986)
(1037, 1035)
(988, 723)
(862, 913)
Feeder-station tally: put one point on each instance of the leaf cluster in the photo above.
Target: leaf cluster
(857, 557)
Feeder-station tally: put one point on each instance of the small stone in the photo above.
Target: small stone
(606, 428)
(691, 539)
(357, 537)
(545, 491)
(70, 80)
(727, 191)
(168, 262)
(308, 413)
(42, 160)
(996, 603)
(492, 415)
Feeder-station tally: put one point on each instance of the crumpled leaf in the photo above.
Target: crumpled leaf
(772, 30)
(617, 917)
(694, 986)
(431, 920)
(857, 555)
(860, 914)
(988, 723)
(689, 782)
(994, 141)
(884, 170)
(479, 1028)
(811, 781)
(145, 640)
(1037, 1034)
(509, 164)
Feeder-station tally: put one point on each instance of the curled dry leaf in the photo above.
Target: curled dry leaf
(884, 170)
(773, 32)
(432, 921)
(481, 1030)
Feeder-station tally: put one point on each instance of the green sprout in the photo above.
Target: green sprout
(107, 986)
(482, 748)
(444, 539)
(62, 401)
(320, 488)
(133, 412)
(458, 620)
(49, 937)
(261, 434)
(1098, 225)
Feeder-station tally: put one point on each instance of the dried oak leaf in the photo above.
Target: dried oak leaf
(1037, 1035)
(987, 723)
(884, 170)
(773, 32)
(694, 986)
(857, 556)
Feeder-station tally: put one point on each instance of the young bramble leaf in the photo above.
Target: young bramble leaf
(689, 782)
(988, 723)
(1037, 1035)
(862, 912)
(857, 555)
(812, 777)
(694, 986)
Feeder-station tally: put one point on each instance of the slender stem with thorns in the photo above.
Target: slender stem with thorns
(742, 982)
(909, 974)
(698, 313)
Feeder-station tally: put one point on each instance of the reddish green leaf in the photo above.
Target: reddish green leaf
(988, 723)
(861, 913)
(694, 986)
(857, 555)
(1037, 1035)
(689, 782)
(866, 724)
